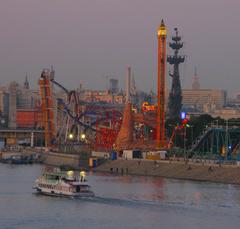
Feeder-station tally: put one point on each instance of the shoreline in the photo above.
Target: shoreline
(225, 174)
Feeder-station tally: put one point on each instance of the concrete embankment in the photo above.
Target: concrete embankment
(62, 159)
(173, 169)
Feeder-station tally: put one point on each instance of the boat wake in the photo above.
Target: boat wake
(132, 203)
(155, 205)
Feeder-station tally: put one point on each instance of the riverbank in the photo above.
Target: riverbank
(21, 157)
(172, 169)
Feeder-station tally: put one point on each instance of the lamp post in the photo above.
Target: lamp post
(184, 143)
(191, 136)
(226, 140)
(185, 125)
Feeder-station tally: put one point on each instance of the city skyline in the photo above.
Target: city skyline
(88, 40)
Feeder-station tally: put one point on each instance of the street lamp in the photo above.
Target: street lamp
(70, 136)
(83, 136)
(184, 143)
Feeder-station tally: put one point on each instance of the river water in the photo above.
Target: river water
(120, 202)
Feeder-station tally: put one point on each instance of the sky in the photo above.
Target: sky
(87, 40)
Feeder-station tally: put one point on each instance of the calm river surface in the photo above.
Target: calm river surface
(120, 202)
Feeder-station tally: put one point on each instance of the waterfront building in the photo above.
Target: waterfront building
(234, 102)
(29, 118)
(197, 100)
(23, 106)
(26, 98)
(226, 113)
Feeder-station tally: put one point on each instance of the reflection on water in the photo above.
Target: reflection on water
(120, 202)
(167, 190)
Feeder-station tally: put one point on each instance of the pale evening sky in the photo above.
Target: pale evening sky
(86, 40)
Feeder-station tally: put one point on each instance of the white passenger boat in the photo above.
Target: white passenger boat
(61, 183)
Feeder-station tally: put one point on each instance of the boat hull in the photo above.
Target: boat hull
(64, 194)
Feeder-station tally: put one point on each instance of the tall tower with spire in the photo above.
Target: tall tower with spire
(26, 83)
(162, 36)
(175, 96)
(195, 82)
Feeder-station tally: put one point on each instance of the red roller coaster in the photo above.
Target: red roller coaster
(69, 119)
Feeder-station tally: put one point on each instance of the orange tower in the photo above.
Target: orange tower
(47, 107)
(162, 35)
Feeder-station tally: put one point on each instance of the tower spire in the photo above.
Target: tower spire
(175, 96)
(195, 82)
(162, 23)
(26, 83)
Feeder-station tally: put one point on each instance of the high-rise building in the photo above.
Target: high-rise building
(23, 106)
(12, 105)
(4, 102)
(4, 108)
(113, 86)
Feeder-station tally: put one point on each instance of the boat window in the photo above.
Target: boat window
(84, 188)
(78, 189)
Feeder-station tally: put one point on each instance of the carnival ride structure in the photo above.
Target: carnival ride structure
(71, 120)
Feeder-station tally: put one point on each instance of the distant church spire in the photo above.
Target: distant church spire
(26, 83)
(195, 82)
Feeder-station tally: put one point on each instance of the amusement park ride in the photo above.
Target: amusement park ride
(67, 119)
(70, 119)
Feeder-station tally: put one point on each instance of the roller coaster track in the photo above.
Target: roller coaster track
(76, 116)
(59, 85)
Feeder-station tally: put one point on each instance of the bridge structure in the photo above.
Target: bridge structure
(217, 142)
